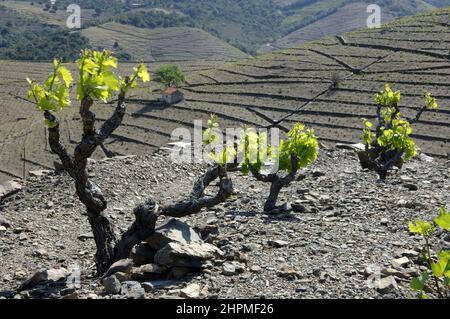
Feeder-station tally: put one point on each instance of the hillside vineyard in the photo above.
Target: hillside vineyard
(224, 149)
(272, 90)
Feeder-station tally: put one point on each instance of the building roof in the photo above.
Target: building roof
(170, 91)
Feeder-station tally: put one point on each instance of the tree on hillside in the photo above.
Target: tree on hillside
(390, 145)
(170, 75)
(97, 81)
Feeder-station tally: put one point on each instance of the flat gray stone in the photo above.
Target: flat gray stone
(133, 290)
(192, 291)
(9, 188)
(174, 231)
(124, 265)
(194, 255)
(112, 285)
(387, 285)
(49, 275)
(400, 262)
(228, 269)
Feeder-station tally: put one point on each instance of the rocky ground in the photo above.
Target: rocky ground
(346, 227)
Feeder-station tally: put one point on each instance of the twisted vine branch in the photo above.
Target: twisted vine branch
(277, 182)
(381, 159)
(109, 248)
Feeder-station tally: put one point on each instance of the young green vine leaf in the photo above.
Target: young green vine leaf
(300, 142)
(253, 145)
(98, 80)
(53, 95)
(443, 220)
(423, 228)
(222, 155)
(437, 277)
(390, 143)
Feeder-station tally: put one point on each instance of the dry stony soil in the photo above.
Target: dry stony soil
(350, 224)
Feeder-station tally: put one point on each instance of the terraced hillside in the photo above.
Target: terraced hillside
(168, 44)
(23, 144)
(277, 89)
(413, 54)
(247, 25)
(347, 18)
(308, 20)
(57, 18)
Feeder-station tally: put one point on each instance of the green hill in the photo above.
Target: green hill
(247, 25)
(24, 37)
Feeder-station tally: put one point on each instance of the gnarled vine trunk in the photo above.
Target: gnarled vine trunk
(277, 183)
(379, 158)
(109, 248)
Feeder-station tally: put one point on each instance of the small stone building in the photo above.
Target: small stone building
(172, 96)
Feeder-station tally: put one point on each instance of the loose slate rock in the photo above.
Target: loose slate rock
(133, 290)
(174, 231)
(228, 269)
(193, 255)
(159, 284)
(300, 208)
(395, 272)
(400, 262)
(387, 285)
(425, 158)
(411, 187)
(192, 291)
(287, 271)
(38, 173)
(112, 285)
(9, 188)
(50, 275)
(124, 265)
(147, 272)
(301, 289)
(4, 222)
(143, 254)
(86, 236)
(408, 253)
(277, 243)
(148, 286)
(255, 269)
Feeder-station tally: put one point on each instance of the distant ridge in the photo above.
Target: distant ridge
(168, 44)
(337, 17)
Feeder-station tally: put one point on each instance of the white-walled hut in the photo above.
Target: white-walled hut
(172, 96)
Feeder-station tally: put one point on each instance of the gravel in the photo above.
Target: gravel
(348, 222)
